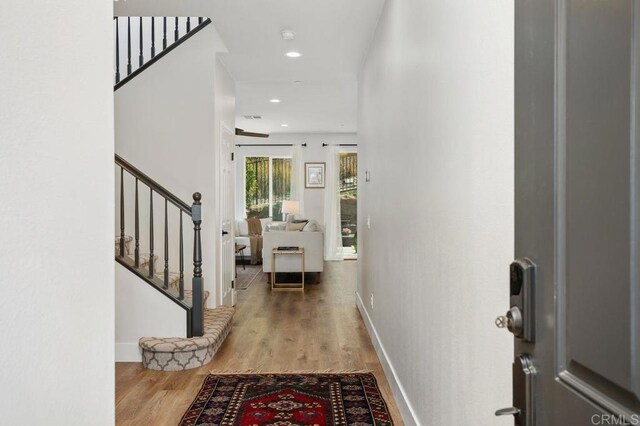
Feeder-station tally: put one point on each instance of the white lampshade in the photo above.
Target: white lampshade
(290, 207)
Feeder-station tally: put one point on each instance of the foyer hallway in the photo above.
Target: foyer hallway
(318, 330)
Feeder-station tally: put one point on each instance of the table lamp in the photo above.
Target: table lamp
(290, 208)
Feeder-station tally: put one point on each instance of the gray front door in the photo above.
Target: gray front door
(578, 209)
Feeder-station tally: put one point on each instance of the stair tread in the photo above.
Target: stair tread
(174, 277)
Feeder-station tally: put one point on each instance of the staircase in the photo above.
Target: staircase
(206, 328)
(151, 34)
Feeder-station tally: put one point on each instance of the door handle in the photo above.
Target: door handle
(511, 411)
(224, 232)
(522, 392)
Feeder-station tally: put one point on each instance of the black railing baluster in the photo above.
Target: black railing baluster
(117, 51)
(151, 262)
(153, 37)
(136, 252)
(141, 58)
(181, 282)
(147, 58)
(121, 212)
(128, 45)
(197, 324)
(200, 19)
(195, 307)
(188, 24)
(166, 245)
(164, 33)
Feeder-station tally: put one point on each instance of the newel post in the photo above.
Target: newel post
(197, 319)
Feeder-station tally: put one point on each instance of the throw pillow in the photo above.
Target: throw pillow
(264, 222)
(312, 226)
(293, 226)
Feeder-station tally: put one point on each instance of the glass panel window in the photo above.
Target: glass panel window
(267, 184)
(281, 185)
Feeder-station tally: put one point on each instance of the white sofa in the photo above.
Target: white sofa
(242, 235)
(312, 241)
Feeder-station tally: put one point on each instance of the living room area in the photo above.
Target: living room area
(294, 192)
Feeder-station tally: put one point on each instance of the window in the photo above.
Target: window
(267, 184)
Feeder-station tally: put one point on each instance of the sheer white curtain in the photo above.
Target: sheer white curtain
(297, 177)
(332, 236)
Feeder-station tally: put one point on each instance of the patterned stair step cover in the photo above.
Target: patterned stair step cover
(176, 353)
(174, 279)
(188, 297)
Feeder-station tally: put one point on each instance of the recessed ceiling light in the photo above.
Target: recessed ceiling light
(297, 82)
(293, 54)
(274, 101)
(284, 125)
(288, 34)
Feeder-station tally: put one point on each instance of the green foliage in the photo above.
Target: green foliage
(257, 185)
(251, 185)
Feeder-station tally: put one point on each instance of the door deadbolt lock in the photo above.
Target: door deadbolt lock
(512, 321)
(519, 320)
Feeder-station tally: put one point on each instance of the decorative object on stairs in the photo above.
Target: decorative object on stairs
(177, 354)
(289, 399)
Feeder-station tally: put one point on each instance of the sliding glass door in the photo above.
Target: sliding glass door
(348, 203)
(267, 184)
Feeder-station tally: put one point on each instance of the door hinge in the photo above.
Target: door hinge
(232, 156)
(233, 284)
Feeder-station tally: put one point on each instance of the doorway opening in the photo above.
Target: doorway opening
(349, 204)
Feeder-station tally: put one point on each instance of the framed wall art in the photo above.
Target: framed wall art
(314, 175)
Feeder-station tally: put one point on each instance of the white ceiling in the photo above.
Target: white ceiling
(332, 35)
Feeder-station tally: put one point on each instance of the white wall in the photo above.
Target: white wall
(143, 311)
(314, 152)
(166, 126)
(56, 214)
(436, 133)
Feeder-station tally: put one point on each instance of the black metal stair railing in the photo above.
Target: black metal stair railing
(146, 40)
(195, 325)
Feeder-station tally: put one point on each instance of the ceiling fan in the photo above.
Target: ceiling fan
(240, 132)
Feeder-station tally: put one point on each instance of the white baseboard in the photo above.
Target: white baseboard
(128, 352)
(406, 410)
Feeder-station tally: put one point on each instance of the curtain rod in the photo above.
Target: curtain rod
(270, 144)
(340, 144)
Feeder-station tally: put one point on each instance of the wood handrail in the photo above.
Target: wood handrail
(157, 188)
(195, 312)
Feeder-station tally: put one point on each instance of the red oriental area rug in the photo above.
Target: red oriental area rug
(351, 399)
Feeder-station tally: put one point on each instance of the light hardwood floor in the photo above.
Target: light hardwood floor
(318, 330)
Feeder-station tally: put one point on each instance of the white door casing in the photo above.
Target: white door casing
(227, 215)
